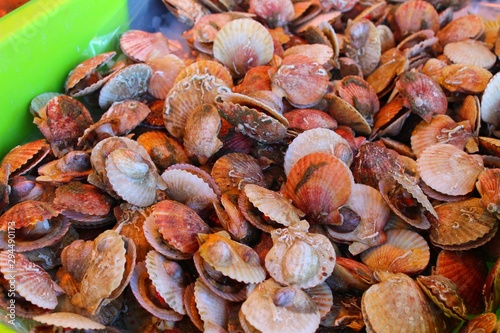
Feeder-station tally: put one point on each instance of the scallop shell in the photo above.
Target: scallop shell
(367, 205)
(345, 114)
(28, 213)
(38, 103)
(139, 286)
(486, 322)
(470, 52)
(269, 301)
(242, 44)
(168, 279)
(424, 95)
(155, 118)
(462, 225)
(382, 78)
(157, 242)
(179, 225)
(448, 169)
(468, 271)
(490, 103)
(405, 251)
(307, 11)
(163, 150)
(441, 129)
(211, 307)
(320, 53)
(232, 259)
(467, 26)
(128, 83)
(300, 79)
(185, 96)
(488, 186)
(443, 292)
(203, 67)
(200, 133)
(318, 184)
(317, 140)
(465, 78)
(396, 293)
(143, 46)
(306, 119)
(74, 165)
(132, 175)
(322, 296)
(85, 68)
(413, 16)
(31, 282)
(164, 73)
(234, 170)
(276, 13)
(299, 258)
(348, 275)
(363, 44)
(360, 95)
(190, 306)
(24, 157)
(69, 320)
(189, 189)
(256, 79)
(469, 111)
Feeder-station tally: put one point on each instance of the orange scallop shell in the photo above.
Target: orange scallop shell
(142, 46)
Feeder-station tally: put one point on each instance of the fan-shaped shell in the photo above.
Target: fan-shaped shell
(346, 114)
(490, 103)
(317, 140)
(363, 44)
(164, 73)
(462, 225)
(443, 292)
(465, 78)
(142, 46)
(270, 301)
(29, 280)
(234, 170)
(85, 68)
(306, 119)
(212, 308)
(318, 184)
(448, 169)
(360, 95)
(232, 259)
(488, 186)
(163, 150)
(276, 13)
(69, 320)
(202, 67)
(416, 15)
(299, 258)
(467, 26)
(470, 52)
(405, 251)
(128, 83)
(242, 44)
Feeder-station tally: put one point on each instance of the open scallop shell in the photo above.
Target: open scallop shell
(163, 150)
(490, 103)
(448, 169)
(405, 251)
(318, 184)
(317, 140)
(363, 44)
(346, 114)
(157, 242)
(242, 44)
(413, 16)
(142, 46)
(443, 292)
(470, 52)
(360, 95)
(269, 301)
(462, 225)
(69, 320)
(322, 296)
(488, 186)
(299, 258)
(203, 67)
(211, 307)
(234, 170)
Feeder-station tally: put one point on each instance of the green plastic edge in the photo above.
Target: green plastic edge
(40, 42)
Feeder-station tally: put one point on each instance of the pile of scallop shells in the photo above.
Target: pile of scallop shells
(306, 166)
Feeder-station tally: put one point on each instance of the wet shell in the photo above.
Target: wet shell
(163, 150)
(468, 271)
(488, 186)
(424, 95)
(320, 53)
(84, 69)
(441, 129)
(212, 308)
(300, 259)
(317, 140)
(318, 184)
(468, 26)
(448, 169)
(157, 242)
(85, 199)
(469, 111)
(322, 296)
(185, 96)
(413, 16)
(132, 175)
(242, 44)
(301, 80)
(382, 78)
(464, 78)
(276, 13)
(306, 119)
(345, 114)
(168, 279)
(486, 322)
(179, 225)
(27, 213)
(141, 288)
(397, 293)
(128, 83)
(189, 189)
(363, 44)
(490, 103)
(234, 170)
(405, 251)
(30, 280)
(69, 320)
(443, 292)
(164, 73)
(360, 95)
(272, 308)
(24, 157)
(366, 212)
(234, 260)
(202, 67)
(462, 225)
(306, 12)
(142, 46)
(74, 165)
(470, 52)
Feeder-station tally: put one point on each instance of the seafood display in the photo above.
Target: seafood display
(300, 166)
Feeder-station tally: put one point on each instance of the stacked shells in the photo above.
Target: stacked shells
(307, 166)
